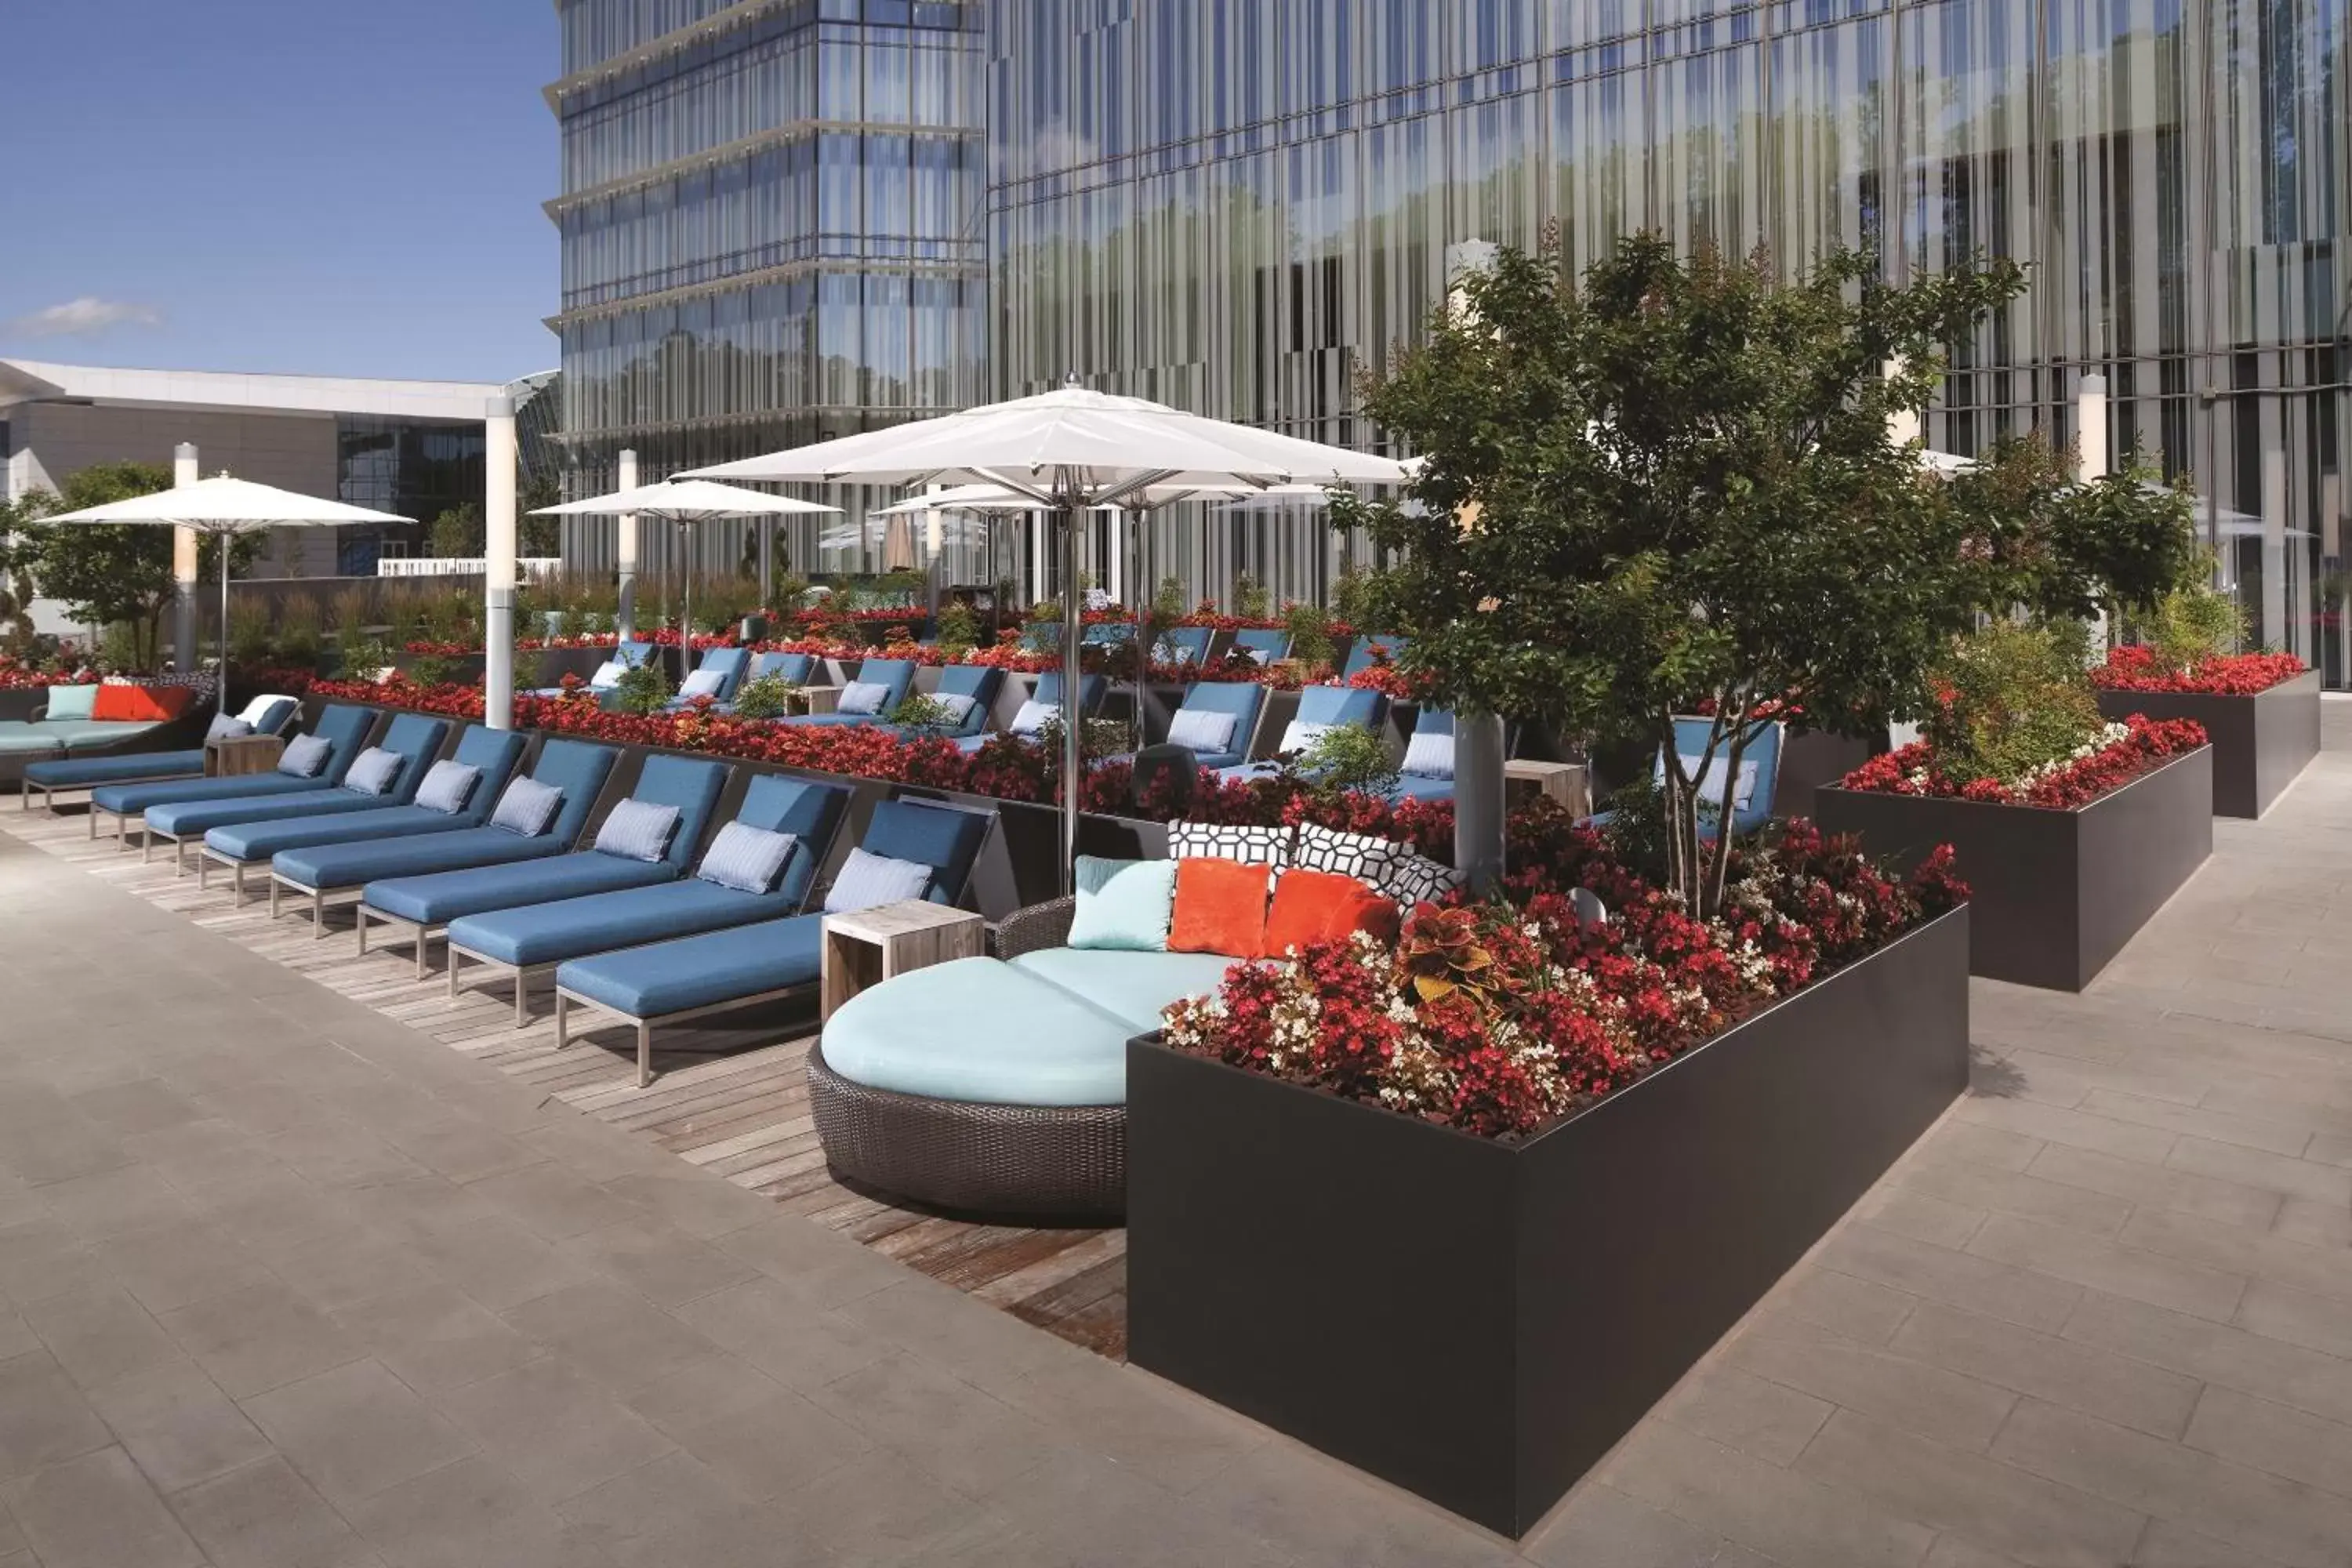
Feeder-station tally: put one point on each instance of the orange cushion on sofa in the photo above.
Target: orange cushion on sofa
(1220, 908)
(1324, 906)
(142, 704)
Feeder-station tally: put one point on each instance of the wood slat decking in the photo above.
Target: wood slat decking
(730, 1097)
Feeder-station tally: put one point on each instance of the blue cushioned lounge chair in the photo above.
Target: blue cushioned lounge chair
(416, 738)
(633, 655)
(981, 682)
(1183, 645)
(344, 727)
(1244, 700)
(424, 905)
(794, 668)
(1107, 634)
(1317, 706)
(1426, 786)
(898, 674)
(268, 715)
(529, 941)
(334, 869)
(1042, 636)
(1751, 794)
(1359, 658)
(245, 845)
(1265, 644)
(674, 980)
(728, 664)
(1092, 689)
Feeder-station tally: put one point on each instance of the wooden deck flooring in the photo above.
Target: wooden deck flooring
(733, 1099)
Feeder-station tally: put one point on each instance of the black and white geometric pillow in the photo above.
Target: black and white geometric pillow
(1382, 864)
(1250, 846)
(1371, 861)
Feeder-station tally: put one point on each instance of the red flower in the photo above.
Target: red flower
(2136, 668)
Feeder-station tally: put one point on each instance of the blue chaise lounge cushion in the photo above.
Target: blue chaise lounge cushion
(593, 922)
(436, 899)
(704, 971)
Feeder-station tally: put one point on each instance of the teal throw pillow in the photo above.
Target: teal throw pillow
(1124, 906)
(73, 701)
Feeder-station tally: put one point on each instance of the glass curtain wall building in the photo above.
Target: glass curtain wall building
(773, 232)
(1237, 205)
(784, 221)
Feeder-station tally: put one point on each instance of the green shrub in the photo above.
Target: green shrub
(1310, 636)
(642, 688)
(1253, 601)
(765, 697)
(958, 628)
(925, 715)
(352, 611)
(1348, 758)
(298, 617)
(2193, 622)
(248, 633)
(2017, 697)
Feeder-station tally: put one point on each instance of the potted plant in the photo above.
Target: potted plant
(1563, 1154)
(2260, 709)
(2072, 829)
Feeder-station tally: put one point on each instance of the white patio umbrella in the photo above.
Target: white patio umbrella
(1071, 448)
(226, 506)
(685, 502)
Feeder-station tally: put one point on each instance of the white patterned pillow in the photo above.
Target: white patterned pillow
(1378, 863)
(1035, 716)
(1418, 878)
(955, 708)
(1199, 729)
(746, 858)
(448, 786)
(703, 683)
(608, 675)
(1250, 846)
(638, 830)
(869, 882)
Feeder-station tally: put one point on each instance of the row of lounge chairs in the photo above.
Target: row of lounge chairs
(646, 939)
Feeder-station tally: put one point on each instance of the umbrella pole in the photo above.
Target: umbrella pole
(221, 697)
(685, 610)
(1072, 710)
(1142, 524)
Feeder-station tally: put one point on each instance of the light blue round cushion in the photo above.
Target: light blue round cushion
(982, 1032)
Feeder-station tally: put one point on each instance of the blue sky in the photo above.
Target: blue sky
(331, 187)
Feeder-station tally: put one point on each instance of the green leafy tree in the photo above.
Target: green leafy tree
(1669, 488)
(110, 573)
(2015, 697)
(458, 533)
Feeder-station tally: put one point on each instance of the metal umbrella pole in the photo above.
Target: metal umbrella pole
(1073, 710)
(221, 697)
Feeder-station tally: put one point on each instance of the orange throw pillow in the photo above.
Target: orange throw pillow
(1324, 906)
(142, 704)
(1220, 908)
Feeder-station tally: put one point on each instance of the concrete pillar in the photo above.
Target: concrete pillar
(627, 618)
(499, 515)
(2090, 465)
(185, 470)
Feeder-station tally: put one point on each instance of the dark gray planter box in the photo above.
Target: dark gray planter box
(2057, 893)
(2261, 743)
(1479, 1322)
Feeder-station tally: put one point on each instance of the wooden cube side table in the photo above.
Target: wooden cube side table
(867, 947)
(820, 699)
(234, 756)
(1571, 784)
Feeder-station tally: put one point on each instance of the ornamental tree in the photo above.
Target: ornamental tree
(1671, 488)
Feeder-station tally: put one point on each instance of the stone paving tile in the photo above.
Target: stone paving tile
(2078, 1376)
(44, 1419)
(356, 1431)
(178, 1426)
(2161, 1282)
(1913, 1394)
(433, 1337)
(1787, 1515)
(266, 1516)
(98, 1511)
(473, 1514)
(253, 1340)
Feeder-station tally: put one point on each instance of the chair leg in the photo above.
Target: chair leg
(645, 1055)
(277, 891)
(179, 858)
(362, 928)
(420, 953)
(93, 819)
(146, 849)
(562, 1020)
(522, 1002)
(236, 879)
(205, 881)
(319, 915)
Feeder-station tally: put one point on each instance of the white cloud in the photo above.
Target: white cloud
(87, 317)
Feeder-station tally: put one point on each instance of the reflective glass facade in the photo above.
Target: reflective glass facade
(774, 231)
(1236, 206)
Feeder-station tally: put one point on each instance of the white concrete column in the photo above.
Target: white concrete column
(1902, 426)
(2091, 465)
(627, 618)
(1036, 557)
(499, 515)
(185, 470)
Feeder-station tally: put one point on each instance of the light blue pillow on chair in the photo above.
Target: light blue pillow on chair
(1124, 906)
(862, 697)
(448, 786)
(305, 756)
(528, 808)
(372, 771)
(1429, 755)
(72, 701)
(1201, 730)
(869, 881)
(747, 858)
(637, 830)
